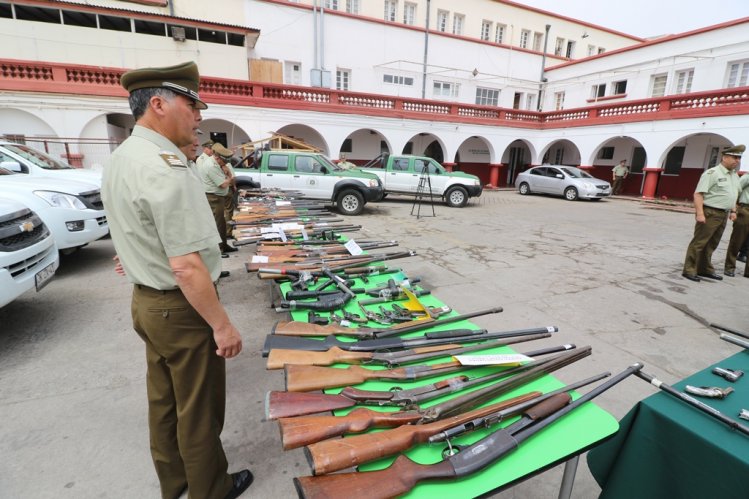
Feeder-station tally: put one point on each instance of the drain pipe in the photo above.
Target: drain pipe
(322, 40)
(543, 80)
(426, 53)
(314, 34)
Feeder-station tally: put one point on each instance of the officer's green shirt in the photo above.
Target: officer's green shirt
(157, 209)
(212, 176)
(620, 171)
(202, 158)
(720, 187)
(744, 186)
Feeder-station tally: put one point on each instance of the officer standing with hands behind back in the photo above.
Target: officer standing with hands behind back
(714, 200)
(167, 243)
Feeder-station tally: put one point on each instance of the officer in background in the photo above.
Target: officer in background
(216, 187)
(740, 225)
(207, 152)
(714, 200)
(346, 165)
(167, 244)
(230, 202)
(619, 173)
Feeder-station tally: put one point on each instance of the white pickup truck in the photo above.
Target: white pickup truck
(312, 175)
(401, 174)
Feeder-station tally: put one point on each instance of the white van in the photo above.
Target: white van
(24, 159)
(72, 210)
(28, 256)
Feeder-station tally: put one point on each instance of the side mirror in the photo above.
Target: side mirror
(324, 169)
(13, 166)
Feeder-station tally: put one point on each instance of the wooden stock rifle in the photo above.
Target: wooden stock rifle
(280, 404)
(297, 328)
(304, 430)
(403, 475)
(279, 357)
(338, 454)
(301, 378)
(379, 344)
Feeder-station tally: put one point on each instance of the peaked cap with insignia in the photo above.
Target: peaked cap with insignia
(183, 79)
(735, 150)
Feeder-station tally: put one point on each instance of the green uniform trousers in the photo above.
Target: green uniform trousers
(230, 204)
(706, 238)
(186, 385)
(738, 236)
(218, 204)
(617, 187)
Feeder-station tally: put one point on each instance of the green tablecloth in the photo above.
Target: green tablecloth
(567, 437)
(666, 448)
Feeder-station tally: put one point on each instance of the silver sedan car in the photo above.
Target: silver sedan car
(567, 181)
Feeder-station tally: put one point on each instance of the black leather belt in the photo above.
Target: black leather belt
(718, 209)
(141, 287)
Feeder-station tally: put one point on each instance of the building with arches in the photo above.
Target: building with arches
(358, 82)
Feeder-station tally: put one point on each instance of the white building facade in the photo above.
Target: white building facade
(353, 82)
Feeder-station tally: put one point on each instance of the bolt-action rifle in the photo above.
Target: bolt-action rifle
(280, 404)
(338, 454)
(403, 475)
(300, 378)
(305, 430)
(277, 358)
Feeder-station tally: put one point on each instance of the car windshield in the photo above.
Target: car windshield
(39, 159)
(329, 164)
(576, 173)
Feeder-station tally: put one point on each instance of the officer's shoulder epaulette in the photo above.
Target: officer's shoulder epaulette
(172, 159)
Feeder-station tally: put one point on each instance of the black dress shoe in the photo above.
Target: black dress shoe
(712, 275)
(230, 249)
(242, 480)
(691, 277)
(729, 273)
(224, 273)
(224, 255)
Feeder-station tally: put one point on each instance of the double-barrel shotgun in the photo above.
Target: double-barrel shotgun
(341, 453)
(304, 430)
(279, 357)
(298, 328)
(404, 474)
(301, 378)
(282, 404)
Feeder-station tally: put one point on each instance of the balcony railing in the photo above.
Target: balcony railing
(33, 76)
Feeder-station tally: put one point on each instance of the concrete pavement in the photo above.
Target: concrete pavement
(72, 388)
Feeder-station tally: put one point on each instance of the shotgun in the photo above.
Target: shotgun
(404, 474)
(338, 454)
(279, 357)
(287, 404)
(735, 341)
(380, 344)
(304, 430)
(296, 328)
(299, 378)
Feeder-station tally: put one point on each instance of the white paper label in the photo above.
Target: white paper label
(287, 226)
(282, 234)
(493, 359)
(259, 259)
(345, 323)
(283, 203)
(305, 237)
(353, 248)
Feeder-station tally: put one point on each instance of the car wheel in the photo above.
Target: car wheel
(524, 189)
(350, 202)
(456, 197)
(570, 193)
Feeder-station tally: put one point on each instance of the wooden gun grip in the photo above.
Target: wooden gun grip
(279, 357)
(306, 430)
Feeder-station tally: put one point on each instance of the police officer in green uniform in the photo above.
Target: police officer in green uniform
(167, 244)
(216, 187)
(740, 225)
(618, 174)
(207, 152)
(714, 200)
